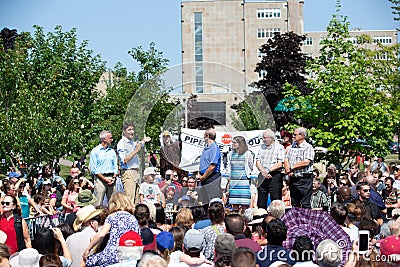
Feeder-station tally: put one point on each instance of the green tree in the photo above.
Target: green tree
(345, 104)
(252, 114)
(47, 93)
(282, 62)
(396, 9)
(139, 97)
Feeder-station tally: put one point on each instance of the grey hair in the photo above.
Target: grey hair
(211, 133)
(328, 254)
(149, 260)
(269, 133)
(302, 131)
(277, 208)
(104, 134)
(385, 228)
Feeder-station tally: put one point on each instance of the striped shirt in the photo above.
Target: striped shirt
(298, 153)
(268, 156)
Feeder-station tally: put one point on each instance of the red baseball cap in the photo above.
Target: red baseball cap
(390, 246)
(130, 239)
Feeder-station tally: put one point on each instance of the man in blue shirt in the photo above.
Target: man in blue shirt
(104, 167)
(210, 163)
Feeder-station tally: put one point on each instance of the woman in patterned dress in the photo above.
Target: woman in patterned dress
(119, 221)
(241, 165)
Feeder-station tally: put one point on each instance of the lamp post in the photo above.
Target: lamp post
(185, 106)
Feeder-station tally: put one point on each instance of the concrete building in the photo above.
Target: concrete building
(220, 41)
(312, 44)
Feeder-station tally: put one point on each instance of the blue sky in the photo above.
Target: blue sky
(115, 27)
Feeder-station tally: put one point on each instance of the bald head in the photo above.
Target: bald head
(343, 194)
(370, 179)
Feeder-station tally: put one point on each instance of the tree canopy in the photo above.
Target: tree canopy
(49, 102)
(138, 97)
(46, 94)
(346, 103)
(282, 62)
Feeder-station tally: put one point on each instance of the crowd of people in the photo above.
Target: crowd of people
(268, 209)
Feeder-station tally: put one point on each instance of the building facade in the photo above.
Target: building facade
(312, 44)
(220, 42)
(220, 47)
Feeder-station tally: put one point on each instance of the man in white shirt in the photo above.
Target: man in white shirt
(87, 222)
(128, 157)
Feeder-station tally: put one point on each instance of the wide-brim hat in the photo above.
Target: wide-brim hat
(28, 257)
(258, 216)
(84, 198)
(85, 214)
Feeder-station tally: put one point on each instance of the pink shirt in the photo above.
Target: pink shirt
(69, 198)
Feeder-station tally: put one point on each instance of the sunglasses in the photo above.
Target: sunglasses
(22, 186)
(184, 181)
(5, 203)
(76, 182)
(366, 190)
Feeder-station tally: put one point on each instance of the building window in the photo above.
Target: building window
(263, 33)
(382, 40)
(382, 56)
(266, 13)
(260, 54)
(198, 51)
(353, 40)
(262, 74)
(308, 41)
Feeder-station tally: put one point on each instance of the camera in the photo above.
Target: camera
(168, 177)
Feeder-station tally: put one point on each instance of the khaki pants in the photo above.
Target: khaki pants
(102, 189)
(131, 181)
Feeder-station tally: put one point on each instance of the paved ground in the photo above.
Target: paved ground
(65, 162)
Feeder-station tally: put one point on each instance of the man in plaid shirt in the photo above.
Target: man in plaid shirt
(299, 166)
(269, 162)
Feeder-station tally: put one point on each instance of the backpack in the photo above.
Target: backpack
(19, 232)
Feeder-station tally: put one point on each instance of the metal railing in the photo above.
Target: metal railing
(42, 221)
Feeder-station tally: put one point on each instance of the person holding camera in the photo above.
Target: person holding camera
(190, 193)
